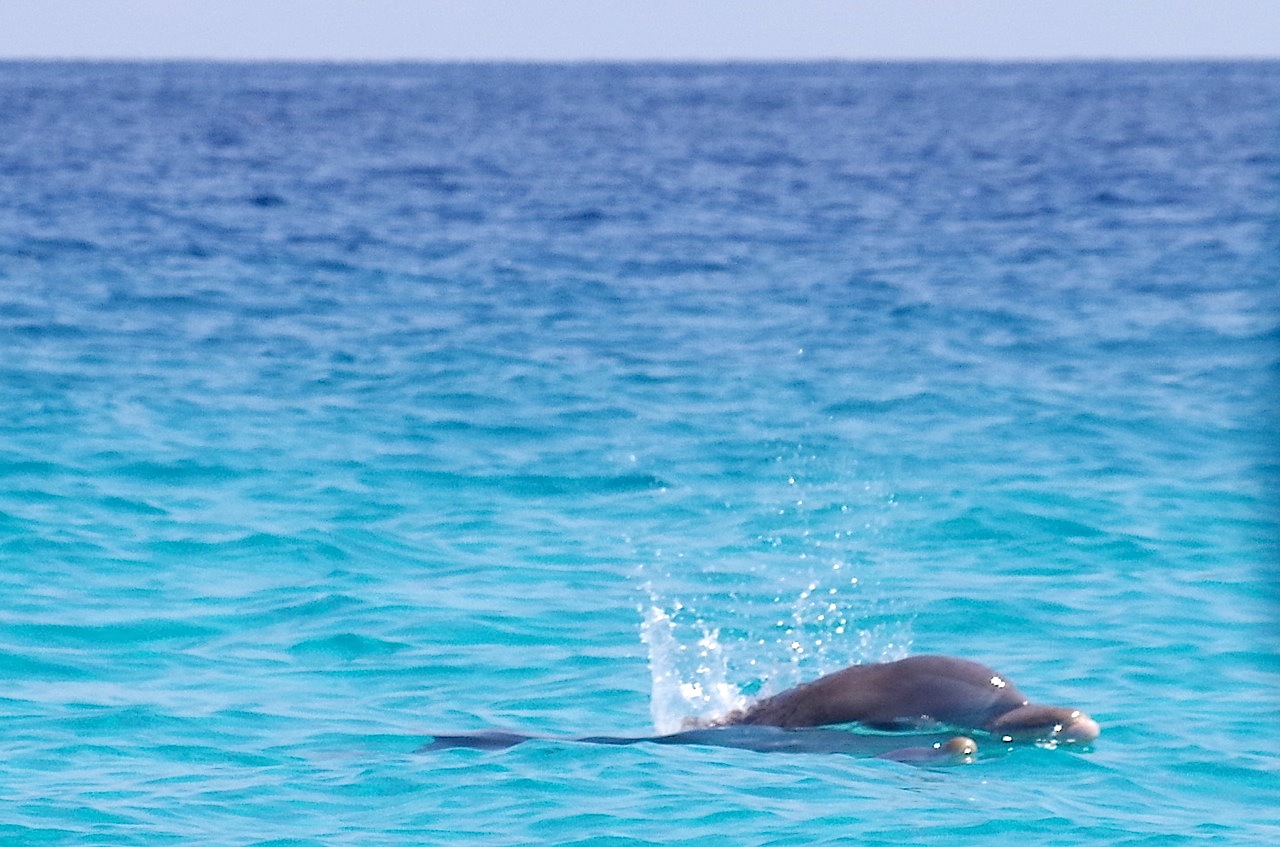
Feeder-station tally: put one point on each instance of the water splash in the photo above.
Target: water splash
(777, 589)
(821, 633)
(689, 681)
(698, 677)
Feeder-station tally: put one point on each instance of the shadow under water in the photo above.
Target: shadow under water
(915, 748)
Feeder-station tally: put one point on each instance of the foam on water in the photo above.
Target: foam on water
(688, 683)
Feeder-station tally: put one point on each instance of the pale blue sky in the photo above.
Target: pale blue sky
(639, 29)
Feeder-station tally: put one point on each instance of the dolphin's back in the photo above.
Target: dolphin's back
(907, 692)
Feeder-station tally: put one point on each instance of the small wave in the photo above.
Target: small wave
(924, 402)
(257, 544)
(562, 485)
(982, 524)
(127, 505)
(16, 666)
(114, 633)
(347, 646)
(183, 472)
(31, 468)
(539, 485)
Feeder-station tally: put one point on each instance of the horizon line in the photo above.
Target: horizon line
(665, 60)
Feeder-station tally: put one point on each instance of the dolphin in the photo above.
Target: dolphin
(912, 693)
(919, 691)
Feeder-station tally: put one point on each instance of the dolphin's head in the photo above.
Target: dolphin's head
(1045, 723)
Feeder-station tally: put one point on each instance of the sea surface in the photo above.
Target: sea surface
(341, 405)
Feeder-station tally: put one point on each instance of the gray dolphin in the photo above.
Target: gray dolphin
(909, 693)
(918, 691)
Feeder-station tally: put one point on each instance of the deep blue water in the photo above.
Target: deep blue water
(344, 404)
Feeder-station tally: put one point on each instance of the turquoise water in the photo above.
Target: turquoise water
(347, 404)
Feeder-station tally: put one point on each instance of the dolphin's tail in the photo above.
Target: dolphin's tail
(499, 740)
(490, 740)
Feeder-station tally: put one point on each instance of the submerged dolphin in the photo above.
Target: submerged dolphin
(909, 693)
(914, 749)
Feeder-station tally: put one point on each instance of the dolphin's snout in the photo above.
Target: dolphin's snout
(1081, 729)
